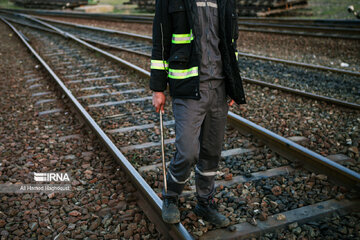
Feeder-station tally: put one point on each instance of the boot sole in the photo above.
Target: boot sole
(171, 221)
(205, 219)
(218, 225)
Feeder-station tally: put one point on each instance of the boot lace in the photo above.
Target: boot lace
(212, 203)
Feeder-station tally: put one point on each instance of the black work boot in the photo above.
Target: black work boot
(207, 209)
(170, 211)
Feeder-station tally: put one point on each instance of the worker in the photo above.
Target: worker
(194, 53)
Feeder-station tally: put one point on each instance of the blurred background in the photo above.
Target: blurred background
(319, 9)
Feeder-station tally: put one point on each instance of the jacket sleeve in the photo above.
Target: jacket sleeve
(161, 47)
(236, 30)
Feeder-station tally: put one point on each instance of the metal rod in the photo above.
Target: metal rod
(163, 150)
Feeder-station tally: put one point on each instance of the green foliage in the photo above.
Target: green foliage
(120, 7)
(7, 4)
(332, 9)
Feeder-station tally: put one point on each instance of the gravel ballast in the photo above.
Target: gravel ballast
(281, 192)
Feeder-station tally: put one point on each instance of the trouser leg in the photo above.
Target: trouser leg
(211, 140)
(189, 115)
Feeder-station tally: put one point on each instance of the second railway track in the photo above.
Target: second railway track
(346, 29)
(119, 103)
(300, 76)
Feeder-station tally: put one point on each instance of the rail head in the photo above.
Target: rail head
(126, 34)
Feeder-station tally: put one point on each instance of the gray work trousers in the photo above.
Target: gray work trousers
(199, 128)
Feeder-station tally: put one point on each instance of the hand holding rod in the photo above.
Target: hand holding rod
(163, 150)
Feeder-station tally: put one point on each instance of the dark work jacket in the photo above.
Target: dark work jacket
(176, 50)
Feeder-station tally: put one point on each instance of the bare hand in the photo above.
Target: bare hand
(158, 101)
(231, 103)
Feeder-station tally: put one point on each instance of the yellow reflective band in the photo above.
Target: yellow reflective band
(237, 55)
(213, 5)
(159, 65)
(203, 4)
(182, 38)
(183, 73)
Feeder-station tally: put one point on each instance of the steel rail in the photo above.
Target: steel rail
(248, 80)
(300, 64)
(149, 39)
(149, 20)
(29, 25)
(98, 16)
(266, 31)
(82, 42)
(83, 38)
(115, 47)
(308, 22)
(286, 148)
(108, 30)
(302, 28)
(304, 94)
(311, 161)
(147, 194)
(303, 34)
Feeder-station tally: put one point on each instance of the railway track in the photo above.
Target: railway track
(148, 18)
(345, 29)
(307, 22)
(337, 89)
(41, 134)
(116, 105)
(301, 30)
